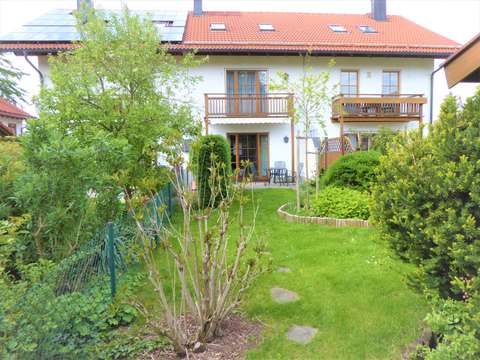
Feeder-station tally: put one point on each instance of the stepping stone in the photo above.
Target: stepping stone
(283, 296)
(283, 269)
(301, 334)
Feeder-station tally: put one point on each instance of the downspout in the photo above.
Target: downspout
(42, 80)
(431, 92)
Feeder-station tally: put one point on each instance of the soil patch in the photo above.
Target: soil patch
(239, 335)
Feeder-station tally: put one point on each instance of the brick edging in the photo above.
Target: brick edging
(320, 220)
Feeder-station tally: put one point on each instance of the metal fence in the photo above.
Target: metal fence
(108, 255)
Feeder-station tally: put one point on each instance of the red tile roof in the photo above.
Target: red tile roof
(294, 33)
(309, 31)
(9, 110)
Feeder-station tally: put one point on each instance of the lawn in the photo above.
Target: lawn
(350, 289)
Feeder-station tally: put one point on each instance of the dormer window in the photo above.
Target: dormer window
(367, 29)
(266, 27)
(217, 27)
(338, 28)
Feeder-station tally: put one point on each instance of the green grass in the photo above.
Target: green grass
(349, 286)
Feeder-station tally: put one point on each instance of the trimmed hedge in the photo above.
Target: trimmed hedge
(341, 203)
(355, 170)
(211, 148)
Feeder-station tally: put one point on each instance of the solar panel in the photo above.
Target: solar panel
(59, 25)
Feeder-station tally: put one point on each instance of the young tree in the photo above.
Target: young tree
(211, 264)
(9, 78)
(120, 83)
(312, 92)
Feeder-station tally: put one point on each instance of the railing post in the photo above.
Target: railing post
(206, 114)
(169, 189)
(111, 257)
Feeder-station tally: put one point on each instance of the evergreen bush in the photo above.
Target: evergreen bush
(212, 149)
(356, 171)
(427, 199)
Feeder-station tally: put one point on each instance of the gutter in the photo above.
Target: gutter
(42, 79)
(432, 75)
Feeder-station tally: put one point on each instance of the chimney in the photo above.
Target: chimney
(379, 10)
(197, 7)
(88, 3)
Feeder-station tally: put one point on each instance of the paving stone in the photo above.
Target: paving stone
(283, 269)
(283, 296)
(301, 334)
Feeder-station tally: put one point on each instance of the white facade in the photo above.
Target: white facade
(414, 79)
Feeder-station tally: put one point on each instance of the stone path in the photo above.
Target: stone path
(283, 296)
(301, 334)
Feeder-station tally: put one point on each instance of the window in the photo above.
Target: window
(266, 27)
(337, 28)
(391, 83)
(349, 82)
(217, 27)
(241, 84)
(367, 29)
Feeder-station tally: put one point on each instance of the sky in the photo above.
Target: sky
(458, 20)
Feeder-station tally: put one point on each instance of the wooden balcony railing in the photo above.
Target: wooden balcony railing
(376, 107)
(258, 105)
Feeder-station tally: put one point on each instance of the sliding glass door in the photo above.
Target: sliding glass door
(246, 90)
(252, 148)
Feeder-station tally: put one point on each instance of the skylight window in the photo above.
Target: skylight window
(337, 28)
(217, 27)
(266, 27)
(367, 29)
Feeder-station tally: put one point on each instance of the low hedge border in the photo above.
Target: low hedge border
(320, 220)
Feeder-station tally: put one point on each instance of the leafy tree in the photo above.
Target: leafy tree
(11, 167)
(427, 199)
(312, 93)
(121, 84)
(9, 78)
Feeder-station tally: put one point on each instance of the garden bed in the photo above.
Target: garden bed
(284, 214)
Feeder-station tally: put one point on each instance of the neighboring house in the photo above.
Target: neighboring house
(464, 65)
(12, 118)
(383, 68)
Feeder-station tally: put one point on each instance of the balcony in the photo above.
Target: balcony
(377, 108)
(248, 106)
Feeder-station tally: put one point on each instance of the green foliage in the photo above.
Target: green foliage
(355, 170)
(342, 203)
(67, 188)
(427, 199)
(457, 328)
(11, 167)
(9, 78)
(41, 324)
(382, 140)
(212, 149)
(107, 88)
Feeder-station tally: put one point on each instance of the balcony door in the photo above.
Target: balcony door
(253, 148)
(246, 90)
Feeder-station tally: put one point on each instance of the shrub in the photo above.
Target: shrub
(11, 167)
(342, 203)
(427, 198)
(382, 141)
(356, 170)
(212, 149)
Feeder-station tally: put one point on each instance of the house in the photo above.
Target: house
(12, 118)
(383, 67)
(464, 65)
